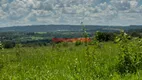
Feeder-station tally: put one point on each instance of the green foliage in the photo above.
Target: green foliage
(122, 37)
(18, 45)
(104, 36)
(68, 62)
(1, 64)
(8, 44)
(77, 43)
(85, 34)
(136, 34)
(64, 44)
(130, 57)
(1, 45)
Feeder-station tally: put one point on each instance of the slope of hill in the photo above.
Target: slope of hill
(53, 28)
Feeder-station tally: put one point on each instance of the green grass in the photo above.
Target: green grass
(66, 62)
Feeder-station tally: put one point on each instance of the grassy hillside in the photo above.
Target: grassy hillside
(64, 61)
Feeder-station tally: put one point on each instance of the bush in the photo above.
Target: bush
(77, 43)
(122, 37)
(8, 44)
(136, 34)
(104, 36)
(130, 57)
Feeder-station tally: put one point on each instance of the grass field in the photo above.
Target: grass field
(63, 62)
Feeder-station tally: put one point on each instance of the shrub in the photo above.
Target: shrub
(8, 44)
(77, 43)
(130, 57)
(104, 36)
(136, 34)
(122, 37)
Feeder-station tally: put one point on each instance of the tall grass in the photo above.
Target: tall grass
(63, 62)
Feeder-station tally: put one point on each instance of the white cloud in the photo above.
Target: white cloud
(2, 14)
(18, 9)
(71, 11)
(3, 2)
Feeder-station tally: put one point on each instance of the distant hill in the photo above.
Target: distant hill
(54, 28)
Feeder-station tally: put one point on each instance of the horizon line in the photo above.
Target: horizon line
(65, 25)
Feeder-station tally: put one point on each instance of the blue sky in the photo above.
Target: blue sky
(92, 12)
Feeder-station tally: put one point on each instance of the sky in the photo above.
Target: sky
(72, 12)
